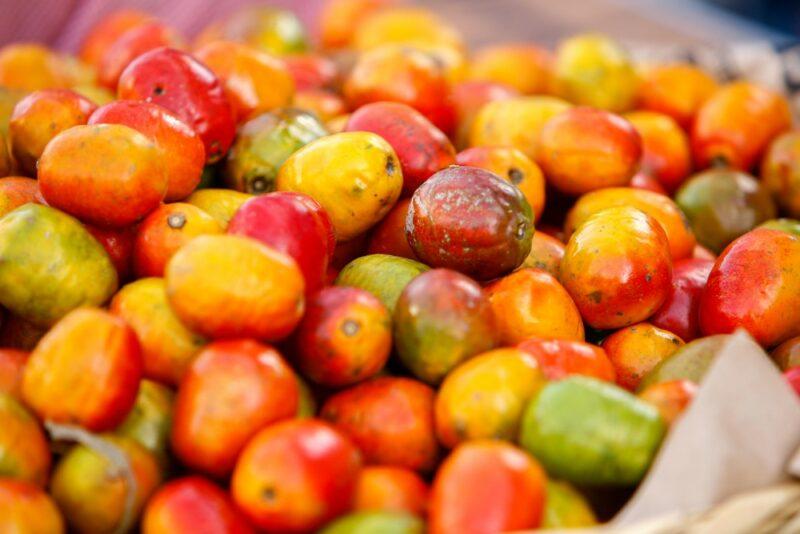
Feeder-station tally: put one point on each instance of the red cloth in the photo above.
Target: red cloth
(63, 23)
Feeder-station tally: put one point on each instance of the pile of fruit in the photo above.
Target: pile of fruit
(251, 285)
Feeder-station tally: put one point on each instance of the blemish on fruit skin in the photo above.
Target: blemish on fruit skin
(350, 327)
(515, 175)
(176, 220)
(268, 493)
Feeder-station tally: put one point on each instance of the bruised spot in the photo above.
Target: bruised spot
(268, 493)
(595, 296)
(515, 175)
(648, 277)
(176, 220)
(390, 167)
(350, 327)
(159, 90)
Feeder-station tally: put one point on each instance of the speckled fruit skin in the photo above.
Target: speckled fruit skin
(735, 125)
(24, 448)
(390, 420)
(178, 82)
(292, 223)
(355, 176)
(296, 476)
(677, 90)
(441, 319)
(665, 147)
(264, 143)
(109, 175)
(168, 347)
(755, 285)
(487, 486)
(84, 371)
(344, 337)
(780, 172)
(131, 44)
(469, 220)
(182, 504)
(617, 267)
(421, 147)
(382, 275)
(51, 265)
(16, 191)
(231, 391)
(546, 253)
(635, 350)
(25, 507)
(38, 118)
(389, 488)
(408, 75)
(183, 152)
(679, 313)
(584, 149)
(560, 358)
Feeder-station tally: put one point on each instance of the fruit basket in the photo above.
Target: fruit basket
(360, 278)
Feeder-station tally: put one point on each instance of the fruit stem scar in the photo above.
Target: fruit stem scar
(176, 220)
(350, 327)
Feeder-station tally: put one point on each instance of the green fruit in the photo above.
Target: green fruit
(690, 362)
(382, 275)
(791, 226)
(150, 420)
(307, 404)
(50, 265)
(376, 523)
(264, 143)
(590, 432)
(723, 204)
(566, 508)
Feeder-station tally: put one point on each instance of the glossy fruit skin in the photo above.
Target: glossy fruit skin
(389, 419)
(389, 235)
(648, 182)
(182, 504)
(736, 124)
(723, 204)
(12, 365)
(677, 90)
(264, 143)
(108, 175)
(560, 358)
(26, 508)
(118, 244)
(484, 397)
(468, 99)
(164, 231)
(42, 283)
(635, 350)
(679, 313)
(254, 82)
(397, 73)
(513, 166)
(355, 176)
(780, 172)
(659, 207)
(292, 223)
(665, 147)
(270, 29)
(787, 354)
(670, 398)
(375, 521)
(469, 220)
(90, 491)
(546, 254)
(38, 118)
(221, 204)
(420, 146)
(178, 82)
(168, 347)
(84, 371)
(131, 44)
(250, 290)
(24, 449)
(526, 68)
(345, 337)
(566, 508)
(382, 275)
(391, 489)
(183, 152)
(296, 476)
(149, 421)
(532, 303)
(690, 362)
(584, 149)
(516, 122)
(16, 191)
(593, 70)
(617, 267)
(107, 30)
(487, 486)
(592, 433)
(231, 391)
(441, 319)
(754, 285)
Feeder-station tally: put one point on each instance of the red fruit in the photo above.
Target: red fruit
(118, 243)
(12, 365)
(178, 507)
(292, 223)
(469, 98)
(296, 476)
(387, 488)
(793, 377)
(560, 358)
(421, 147)
(182, 149)
(389, 235)
(311, 71)
(679, 312)
(646, 181)
(178, 82)
(231, 391)
(130, 45)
